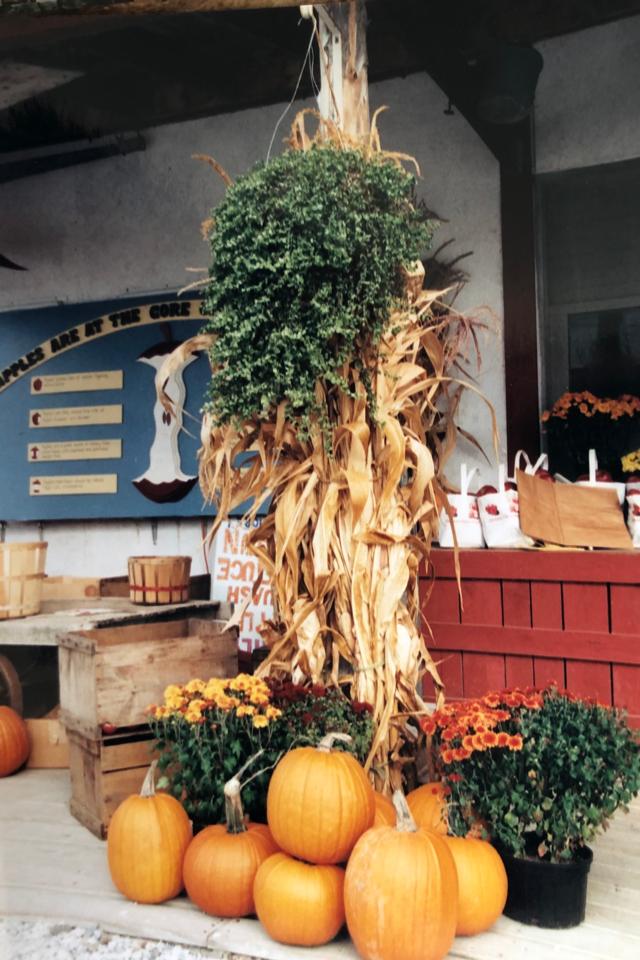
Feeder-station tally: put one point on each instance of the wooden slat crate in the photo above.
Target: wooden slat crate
(105, 772)
(532, 617)
(111, 675)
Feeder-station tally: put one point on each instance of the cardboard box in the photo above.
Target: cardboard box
(49, 744)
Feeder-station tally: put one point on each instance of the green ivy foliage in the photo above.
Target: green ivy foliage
(306, 256)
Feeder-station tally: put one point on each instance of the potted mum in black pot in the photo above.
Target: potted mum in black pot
(540, 772)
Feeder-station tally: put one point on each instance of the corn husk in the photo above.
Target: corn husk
(351, 522)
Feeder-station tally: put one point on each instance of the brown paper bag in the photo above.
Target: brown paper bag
(571, 516)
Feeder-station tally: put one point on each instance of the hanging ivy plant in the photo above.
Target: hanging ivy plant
(306, 256)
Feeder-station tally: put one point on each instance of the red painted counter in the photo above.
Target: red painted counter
(530, 617)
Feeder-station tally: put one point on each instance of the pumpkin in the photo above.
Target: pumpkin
(401, 892)
(221, 862)
(14, 741)
(428, 807)
(482, 884)
(319, 802)
(146, 843)
(385, 814)
(299, 903)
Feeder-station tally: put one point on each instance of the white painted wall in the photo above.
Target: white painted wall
(131, 225)
(588, 98)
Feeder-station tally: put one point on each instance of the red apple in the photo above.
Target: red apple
(602, 476)
(633, 491)
(483, 491)
(492, 509)
(108, 728)
(545, 475)
(634, 478)
(510, 485)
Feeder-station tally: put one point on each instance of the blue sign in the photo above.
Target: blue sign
(156, 473)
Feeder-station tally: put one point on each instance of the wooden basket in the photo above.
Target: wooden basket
(21, 575)
(155, 580)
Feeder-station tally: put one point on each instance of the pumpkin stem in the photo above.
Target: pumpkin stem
(404, 821)
(148, 788)
(327, 742)
(234, 814)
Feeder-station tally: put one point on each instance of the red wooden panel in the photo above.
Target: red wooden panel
(521, 641)
(450, 669)
(625, 609)
(519, 671)
(546, 605)
(482, 673)
(582, 566)
(443, 606)
(547, 670)
(482, 602)
(586, 607)
(589, 679)
(516, 604)
(626, 688)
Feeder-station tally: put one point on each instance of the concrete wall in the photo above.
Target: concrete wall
(588, 98)
(131, 225)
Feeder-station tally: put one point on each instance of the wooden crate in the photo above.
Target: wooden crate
(533, 617)
(111, 675)
(49, 744)
(105, 772)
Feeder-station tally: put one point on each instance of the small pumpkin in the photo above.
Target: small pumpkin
(14, 741)
(482, 884)
(299, 903)
(319, 802)
(428, 807)
(401, 892)
(146, 843)
(221, 862)
(385, 813)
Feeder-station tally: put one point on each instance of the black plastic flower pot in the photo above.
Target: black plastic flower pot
(546, 894)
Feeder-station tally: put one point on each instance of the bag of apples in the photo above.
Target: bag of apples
(600, 478)
(463, 510)
(500, 513)
(633, 508)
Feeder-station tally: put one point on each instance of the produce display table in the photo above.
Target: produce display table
(60, 617)
(529, 617)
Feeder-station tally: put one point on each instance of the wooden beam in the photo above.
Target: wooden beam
(89, 7)
(344, 96)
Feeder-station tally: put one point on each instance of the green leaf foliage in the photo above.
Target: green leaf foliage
(306, 255)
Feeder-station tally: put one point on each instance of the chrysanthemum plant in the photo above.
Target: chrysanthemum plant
(207, 730)
(539, 771)
(337, 380)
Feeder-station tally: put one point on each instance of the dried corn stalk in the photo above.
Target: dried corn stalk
(347, 529)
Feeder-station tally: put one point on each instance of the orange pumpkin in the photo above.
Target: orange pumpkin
(401, 892)
(221, 862)
(147, 839)
(299, 903)
(429, 807)
(14, 741)
(482, 884)
(385, 815)
(319, 803)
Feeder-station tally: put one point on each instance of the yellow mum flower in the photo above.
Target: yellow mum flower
(272, 713)
(197, 706)
(260, 721)
(175, 702)
(213, 688)
(195, 686)
(172, 691)
(244, 710)
(241, 683)
(223, 702)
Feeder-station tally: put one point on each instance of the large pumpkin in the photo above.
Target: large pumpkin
(428, 807)
(401, 892)
(147, 839)
(221, 863)
(14, 741)
(482, 884)
(319, 803)
(385, 814)
(299, 903)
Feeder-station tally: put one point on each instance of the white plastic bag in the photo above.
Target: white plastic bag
(464, 511)
(601, 484)
(633, 518)
(500, 514)
(541, 466)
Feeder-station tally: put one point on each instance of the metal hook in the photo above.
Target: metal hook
(154, 532)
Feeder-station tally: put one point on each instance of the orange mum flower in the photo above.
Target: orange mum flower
(533, 703)
(492, 700)
(447, 755)
(490, 739)
(461, 753)
(467, 743)
(501, 715)
(515, 742)
(428, 725)
(450, 734)
(503, 740)
(478, 741)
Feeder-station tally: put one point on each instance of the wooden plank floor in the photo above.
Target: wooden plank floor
(52, 868)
